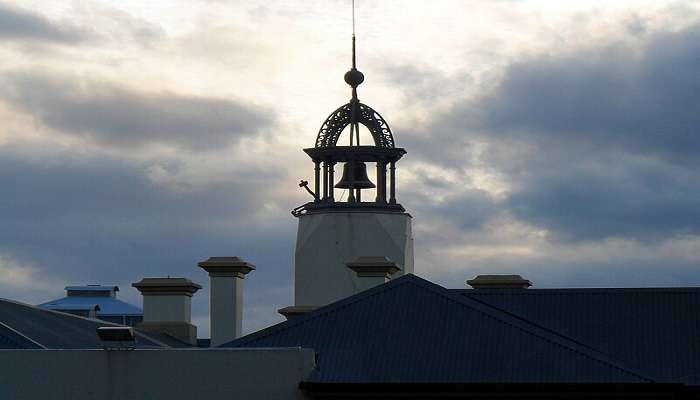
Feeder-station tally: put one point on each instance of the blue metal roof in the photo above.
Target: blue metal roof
(411, 330)
(653, 330)
(93, 288)
(108, 305)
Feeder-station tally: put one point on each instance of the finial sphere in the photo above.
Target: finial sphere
(354, 78)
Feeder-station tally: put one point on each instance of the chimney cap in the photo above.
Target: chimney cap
(499, 282)
(226, 265)
(371, 265)
(295, 311)
(166, 286)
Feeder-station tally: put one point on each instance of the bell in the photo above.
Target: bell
(360, 181)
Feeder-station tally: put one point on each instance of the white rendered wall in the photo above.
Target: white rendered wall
(167, 308)
(226, 309)
(183, 374)
(325, 241)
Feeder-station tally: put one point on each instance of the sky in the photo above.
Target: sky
(555, 140)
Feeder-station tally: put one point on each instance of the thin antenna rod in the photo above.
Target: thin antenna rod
(353, 35)
(353, 17)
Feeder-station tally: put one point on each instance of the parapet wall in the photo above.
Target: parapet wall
(171, 374)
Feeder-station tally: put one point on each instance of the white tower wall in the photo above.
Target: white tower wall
(325, 241)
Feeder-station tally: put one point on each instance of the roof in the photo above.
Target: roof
(93, 288)
(108, 305)
(23, 326)
(411, 330)
(653, 330)
(76, 307)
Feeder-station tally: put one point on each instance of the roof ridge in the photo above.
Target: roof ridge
(600, 356)
(594, 357)
(323, 310)
(18, 333)
(527, 321)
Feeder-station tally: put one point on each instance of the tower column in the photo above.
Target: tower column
(331, 181)
(392, 183)
(325, 180)
(381, 182)
(317, 180)
(351, 178)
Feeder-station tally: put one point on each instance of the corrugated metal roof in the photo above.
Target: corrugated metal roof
(52, 329)
(10, 339)
(653, 330)
(108, 305)
(411, 330)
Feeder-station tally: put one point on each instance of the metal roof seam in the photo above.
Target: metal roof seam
(525, 320)
(460, 299)
(304, 319)
(556, 333)
(23, 335)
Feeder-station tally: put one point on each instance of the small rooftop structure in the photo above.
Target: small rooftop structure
(96, 301)
(499, 282)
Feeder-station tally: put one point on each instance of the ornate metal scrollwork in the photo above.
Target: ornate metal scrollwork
(334, 125)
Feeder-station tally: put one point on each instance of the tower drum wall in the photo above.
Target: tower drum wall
(325, 241)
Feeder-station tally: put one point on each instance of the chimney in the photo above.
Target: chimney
(226, 276)
(372, 271)
(167, 307)
(499, 282)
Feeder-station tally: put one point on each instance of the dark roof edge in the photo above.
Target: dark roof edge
(591, 290)
(414, 388)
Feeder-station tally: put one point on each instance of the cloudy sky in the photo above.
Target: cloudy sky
(557, 140)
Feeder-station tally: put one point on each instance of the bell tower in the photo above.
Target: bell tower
(341, 223)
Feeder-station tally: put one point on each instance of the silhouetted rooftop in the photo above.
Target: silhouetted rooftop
(411, 330)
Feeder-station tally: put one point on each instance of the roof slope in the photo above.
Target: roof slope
(653, 330)
(10, 339)
(410, 330)
(108, 305)
(52, 329)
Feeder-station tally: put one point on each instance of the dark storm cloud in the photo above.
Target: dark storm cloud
(615, 136)
(101, 220)
(641, 200)
(466, 208)
(16, 23)
(115, 116)
(611, 96)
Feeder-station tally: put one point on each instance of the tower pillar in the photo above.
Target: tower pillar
(317, 179)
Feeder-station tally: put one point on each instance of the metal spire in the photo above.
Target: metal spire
(354, 78)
